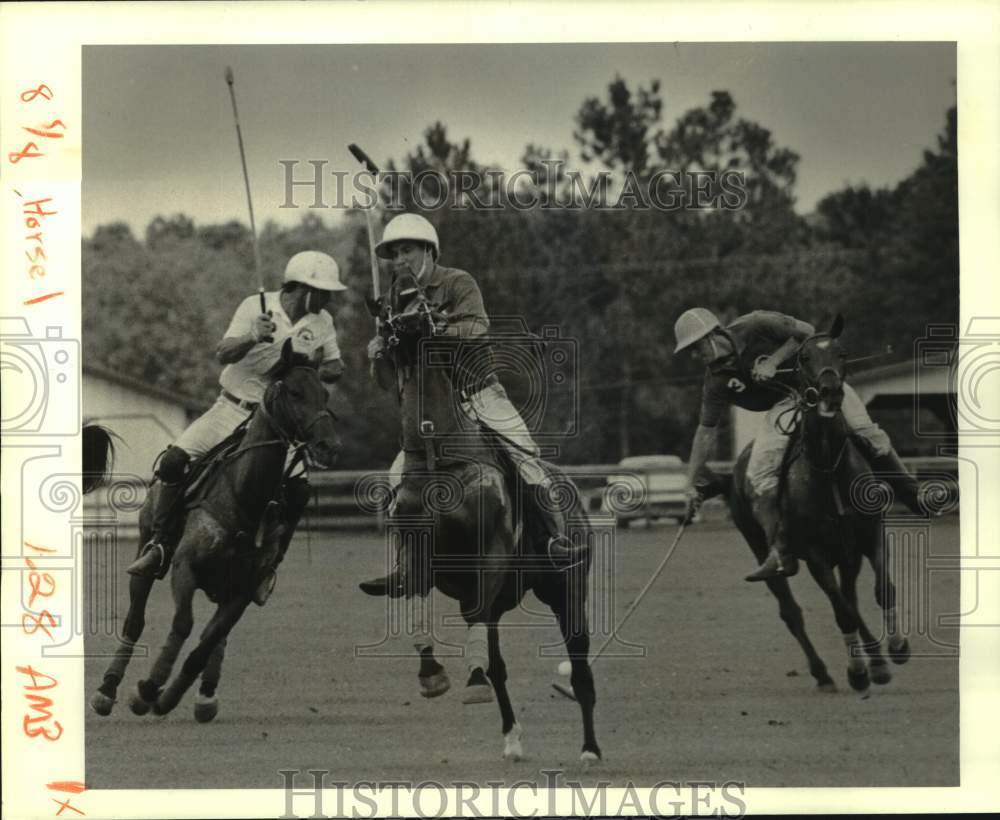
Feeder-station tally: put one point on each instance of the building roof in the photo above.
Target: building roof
(139, 386)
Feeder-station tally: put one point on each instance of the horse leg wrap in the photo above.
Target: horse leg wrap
(855, 658)
(123, 654)
(419, 623)
(476, 648)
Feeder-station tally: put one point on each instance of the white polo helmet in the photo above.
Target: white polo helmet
(692, 325)
(315, 269)
(408, 226)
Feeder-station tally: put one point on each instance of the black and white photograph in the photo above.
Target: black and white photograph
(472, 419)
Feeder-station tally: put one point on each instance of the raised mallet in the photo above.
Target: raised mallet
(246, 182)
(371, 168)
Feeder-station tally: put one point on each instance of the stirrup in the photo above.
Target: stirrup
(149, 564)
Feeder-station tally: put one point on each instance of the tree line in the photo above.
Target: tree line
(610, 283)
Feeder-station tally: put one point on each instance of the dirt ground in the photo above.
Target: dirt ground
(722, 692)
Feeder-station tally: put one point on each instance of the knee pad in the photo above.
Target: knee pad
(173, 465)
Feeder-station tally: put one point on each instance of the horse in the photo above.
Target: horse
(831, 514)
(485, 550)
(216, 552)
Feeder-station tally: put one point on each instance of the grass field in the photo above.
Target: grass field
(721, 692)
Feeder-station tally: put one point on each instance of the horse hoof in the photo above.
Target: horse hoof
(880, 673)
(826, 686)
(478, 689)
(205, 708)
(512, 744)
(859, 680)
(102, 704)
(900, 654)
(589, 758)
(432, 686)
(138, 705)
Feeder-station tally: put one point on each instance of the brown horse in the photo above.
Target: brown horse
(216, 552)
(832, 514)
(485, 550)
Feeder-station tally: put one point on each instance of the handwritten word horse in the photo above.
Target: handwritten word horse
(832, 515)
(217, 552)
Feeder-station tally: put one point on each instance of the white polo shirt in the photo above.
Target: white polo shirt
(247, 379)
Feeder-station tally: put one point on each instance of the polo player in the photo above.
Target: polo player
(411, 243)
(743, 361)
(250, 348)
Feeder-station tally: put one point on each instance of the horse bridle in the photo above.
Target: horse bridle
(298, 438)
(806, 398)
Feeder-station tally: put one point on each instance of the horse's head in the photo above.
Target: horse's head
(822, 365)
(296, 402)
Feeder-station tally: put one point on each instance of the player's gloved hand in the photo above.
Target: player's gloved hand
(409, 325)
(692, 503)
(765, 368)
(262, 328)
(376, 348)
(439, 322)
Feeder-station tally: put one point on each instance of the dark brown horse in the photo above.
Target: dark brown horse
(832, 514)
(485, 549)
(217, 551)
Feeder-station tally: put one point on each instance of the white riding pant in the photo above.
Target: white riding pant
(769, 445)
(492, 408)
(213, 426)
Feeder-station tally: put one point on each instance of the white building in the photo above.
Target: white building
(145, 418)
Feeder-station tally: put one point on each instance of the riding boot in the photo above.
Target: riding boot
(296, 501)
(393, 584)
(157, 553)
(410, 576)
(559, 547)
(778, 562)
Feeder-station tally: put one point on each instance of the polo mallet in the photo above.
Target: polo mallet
(887, 352)
(371, 168)
(246, 182)
(567, 691)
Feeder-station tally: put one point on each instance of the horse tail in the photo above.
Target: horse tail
(98, 456)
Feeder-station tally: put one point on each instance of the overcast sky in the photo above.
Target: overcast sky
(159, 135)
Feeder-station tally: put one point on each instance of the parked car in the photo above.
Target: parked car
(649, 487)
